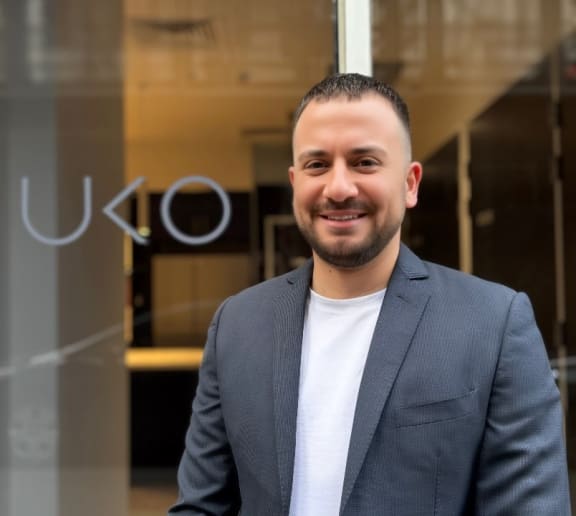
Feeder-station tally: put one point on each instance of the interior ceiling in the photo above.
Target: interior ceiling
(234, 67)
(198, 69)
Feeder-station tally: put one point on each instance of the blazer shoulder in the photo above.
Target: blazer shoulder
(448, 281)
(462, 286)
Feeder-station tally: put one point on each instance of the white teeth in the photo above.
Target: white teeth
(343, 217)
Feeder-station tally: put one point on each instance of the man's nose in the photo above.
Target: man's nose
(340, 184)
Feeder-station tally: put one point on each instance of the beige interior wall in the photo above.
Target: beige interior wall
(198, 133)
(162, 162)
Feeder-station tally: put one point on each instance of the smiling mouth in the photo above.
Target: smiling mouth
(342, 218)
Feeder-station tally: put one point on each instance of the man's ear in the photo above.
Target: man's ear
(291, 173)
(413, 179)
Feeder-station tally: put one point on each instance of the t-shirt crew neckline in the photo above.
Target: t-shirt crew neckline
(330, 302)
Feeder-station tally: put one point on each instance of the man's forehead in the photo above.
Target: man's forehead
(321, 110)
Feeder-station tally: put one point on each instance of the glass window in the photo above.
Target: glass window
(112, 262)
(491, 89)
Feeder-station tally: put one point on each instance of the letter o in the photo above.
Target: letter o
(183, 237)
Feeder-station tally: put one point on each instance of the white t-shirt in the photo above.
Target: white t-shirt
(336, 339)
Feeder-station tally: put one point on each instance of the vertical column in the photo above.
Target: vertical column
(30, 279)
(354, 37)
(465, 239)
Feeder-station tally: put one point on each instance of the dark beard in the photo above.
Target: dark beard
(354, 257)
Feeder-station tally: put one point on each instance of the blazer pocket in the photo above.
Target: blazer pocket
(437, 411)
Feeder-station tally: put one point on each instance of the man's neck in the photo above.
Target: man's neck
(342, 283)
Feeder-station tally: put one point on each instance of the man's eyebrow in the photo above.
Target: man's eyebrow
(370, 149)
(357, 151)
(312, 153)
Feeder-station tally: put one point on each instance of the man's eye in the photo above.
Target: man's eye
(315, 164)
(367, 162)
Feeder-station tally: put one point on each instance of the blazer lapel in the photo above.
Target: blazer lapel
(288, 323)
(404, 303)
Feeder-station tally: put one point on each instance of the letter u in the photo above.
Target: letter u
(87, 188)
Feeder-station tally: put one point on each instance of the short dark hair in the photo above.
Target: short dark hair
(353, 86)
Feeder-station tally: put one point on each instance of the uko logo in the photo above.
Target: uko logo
(108, 210)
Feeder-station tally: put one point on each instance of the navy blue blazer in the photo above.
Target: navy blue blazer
(457, 414)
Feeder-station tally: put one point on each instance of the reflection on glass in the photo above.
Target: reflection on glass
(491, 86)
(117, 91)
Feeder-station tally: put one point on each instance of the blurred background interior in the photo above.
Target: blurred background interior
(101, 337)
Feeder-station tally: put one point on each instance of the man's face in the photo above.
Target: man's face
(352, 179)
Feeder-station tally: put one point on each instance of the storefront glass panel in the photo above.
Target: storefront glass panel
(127, 130)
(491, 89)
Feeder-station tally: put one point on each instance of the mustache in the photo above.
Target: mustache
(348, 204)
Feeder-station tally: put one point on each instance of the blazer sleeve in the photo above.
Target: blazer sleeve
(522, 466)
(207, 478)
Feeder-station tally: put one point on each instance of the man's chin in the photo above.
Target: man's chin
(346, 258)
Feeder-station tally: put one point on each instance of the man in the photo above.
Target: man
(369, 382)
